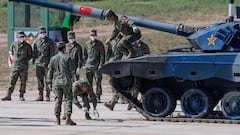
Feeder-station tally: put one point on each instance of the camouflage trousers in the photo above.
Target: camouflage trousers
(125, 44)
(61, 91)
(90, 74)
(16, 73)
(41, 74)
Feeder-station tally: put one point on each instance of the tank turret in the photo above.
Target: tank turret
(199, 79)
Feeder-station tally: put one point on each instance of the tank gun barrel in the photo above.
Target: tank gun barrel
(98, 13)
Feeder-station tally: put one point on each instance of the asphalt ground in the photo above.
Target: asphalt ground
(37, 118)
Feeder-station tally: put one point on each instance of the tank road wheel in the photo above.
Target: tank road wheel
(231, 105)
(159, 102)
(196, 103)
(125, 84)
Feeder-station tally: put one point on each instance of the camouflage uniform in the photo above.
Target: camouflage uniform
(95, 58)
(74, 51)
(84, 93)
(43, 50)
(141, 48)
(22, 53)
(129, 31)
(60, 68)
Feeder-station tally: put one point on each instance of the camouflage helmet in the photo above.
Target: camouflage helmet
(108, 13)
(61, 45)
(71, 34)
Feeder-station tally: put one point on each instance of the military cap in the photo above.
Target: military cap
(60, 44)
(71, 34)
(109, 13)
(42, 28)
(84, 83)
(21, 33)
(93, 31)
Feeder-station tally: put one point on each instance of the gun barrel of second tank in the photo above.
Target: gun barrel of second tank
(155, 25)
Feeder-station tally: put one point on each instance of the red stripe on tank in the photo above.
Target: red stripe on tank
(84, 10)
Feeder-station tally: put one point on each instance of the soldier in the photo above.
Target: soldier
(43, 50)
(95, 58)
(114, 54)
(83, 89)
(141, 48)
(74, 51)
(129, 31)
(22, 53)
(68, 24)
(60, 68)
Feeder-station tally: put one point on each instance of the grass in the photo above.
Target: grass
(190, 12)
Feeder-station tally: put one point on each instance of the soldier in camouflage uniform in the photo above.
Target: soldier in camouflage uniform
(22, 53)
(141, 49)
(60, 70)
(43, 50)
(113, 54)
(83, 89)
(129, 31)
(95, 58)
(74, 51)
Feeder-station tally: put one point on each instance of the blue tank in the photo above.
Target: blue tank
(200, 76)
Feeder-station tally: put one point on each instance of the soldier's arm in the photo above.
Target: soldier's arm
(29, 52)
(50, 72)
(75, 99)
(109, 52)
(80, 57)
(92, 97)
(85, 54)
(114, 33)
(51, 48)
(12, 49)
(102, 54)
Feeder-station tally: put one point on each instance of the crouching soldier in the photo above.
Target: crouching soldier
(83, 89)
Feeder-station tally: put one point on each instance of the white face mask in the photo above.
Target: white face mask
(72, 40)
(21, 39)
(42, 35)
(93, 38)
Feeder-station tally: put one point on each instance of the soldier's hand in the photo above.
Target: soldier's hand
(107, 42)
(78, 71)
(50, 87)
(85, 109)
(99, 67)
(79, 106)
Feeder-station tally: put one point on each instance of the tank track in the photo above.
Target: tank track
(138, 106)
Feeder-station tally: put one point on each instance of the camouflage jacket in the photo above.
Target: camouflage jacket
(113, 53)
(141, 49)
(22, 53)
(60, 69)
(42, 51)
(76, 90)
(123, 26)
(74, 51)
(95, 54)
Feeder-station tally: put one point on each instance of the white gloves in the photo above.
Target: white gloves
(107, 41)
(78, 71)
